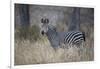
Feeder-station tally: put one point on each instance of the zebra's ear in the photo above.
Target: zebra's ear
(47, 21)
(42, 20)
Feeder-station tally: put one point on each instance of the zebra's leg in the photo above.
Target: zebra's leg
(56, 48)
(62, 45)
(70, 45)
(67, 46)
(81, 48)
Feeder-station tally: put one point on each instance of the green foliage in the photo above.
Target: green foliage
(31, 33)
(34, 33)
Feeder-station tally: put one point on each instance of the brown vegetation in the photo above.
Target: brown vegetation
(37, 50)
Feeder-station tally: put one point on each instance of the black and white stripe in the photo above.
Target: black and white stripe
(74, 37)
(57, 38)
(71, 38)
(53, 37)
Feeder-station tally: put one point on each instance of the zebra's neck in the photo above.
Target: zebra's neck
(51, 33)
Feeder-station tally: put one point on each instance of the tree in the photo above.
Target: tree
(24, 14)
(75, 20)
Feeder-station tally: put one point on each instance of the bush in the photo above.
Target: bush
(31, 33)
(34, 33)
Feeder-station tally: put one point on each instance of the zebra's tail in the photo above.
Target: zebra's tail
(84, 36)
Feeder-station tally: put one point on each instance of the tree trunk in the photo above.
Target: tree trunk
(24, 15)
(75, 20)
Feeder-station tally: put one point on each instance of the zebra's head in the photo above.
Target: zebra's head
(46, 26)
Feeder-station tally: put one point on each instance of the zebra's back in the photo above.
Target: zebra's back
(72, 37)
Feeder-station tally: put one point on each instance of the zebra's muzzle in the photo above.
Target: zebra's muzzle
(42, 32)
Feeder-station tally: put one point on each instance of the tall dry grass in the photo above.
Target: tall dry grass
(39, 51)
(27, 52)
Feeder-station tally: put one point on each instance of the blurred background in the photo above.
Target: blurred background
(33, 48)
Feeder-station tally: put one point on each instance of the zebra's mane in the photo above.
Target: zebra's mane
(51, 27)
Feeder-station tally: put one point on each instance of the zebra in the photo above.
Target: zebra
(57, 38)
(51, 33)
